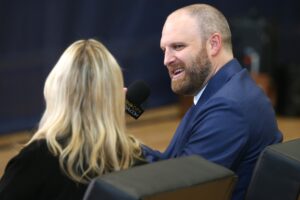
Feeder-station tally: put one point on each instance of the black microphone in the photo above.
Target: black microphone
(136, 94)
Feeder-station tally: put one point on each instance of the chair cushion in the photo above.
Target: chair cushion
(189, 177)
(277, 173)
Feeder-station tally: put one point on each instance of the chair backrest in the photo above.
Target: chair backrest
(277, 173)
(189, 177)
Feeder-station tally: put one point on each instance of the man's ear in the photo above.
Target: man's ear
(214, 44)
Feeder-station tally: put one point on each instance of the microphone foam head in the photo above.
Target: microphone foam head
(138, 92)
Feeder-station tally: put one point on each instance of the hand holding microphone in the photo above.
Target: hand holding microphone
(136, 94)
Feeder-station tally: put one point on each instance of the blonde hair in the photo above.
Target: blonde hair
(210, 20)
(84, 120)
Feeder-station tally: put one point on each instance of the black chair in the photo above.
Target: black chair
(277, 173)
(191, 178)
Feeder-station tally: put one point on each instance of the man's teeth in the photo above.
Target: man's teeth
(177, 71)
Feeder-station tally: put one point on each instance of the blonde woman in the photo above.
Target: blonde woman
(82, 132)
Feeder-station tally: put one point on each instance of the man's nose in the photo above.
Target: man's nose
(169, 57)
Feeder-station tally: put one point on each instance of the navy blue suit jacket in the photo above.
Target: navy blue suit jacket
(231, 124)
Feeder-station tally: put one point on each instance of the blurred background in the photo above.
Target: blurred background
(34, 33)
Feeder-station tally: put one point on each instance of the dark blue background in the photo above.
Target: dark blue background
(34, 34)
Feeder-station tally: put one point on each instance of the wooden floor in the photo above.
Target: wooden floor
(154, 128)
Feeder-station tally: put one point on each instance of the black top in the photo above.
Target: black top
(35, 174)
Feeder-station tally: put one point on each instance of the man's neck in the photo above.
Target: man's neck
(220, 60)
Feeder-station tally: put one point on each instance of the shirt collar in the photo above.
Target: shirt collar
(197, 97)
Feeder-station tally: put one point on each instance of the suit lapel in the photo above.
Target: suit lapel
(181, 131)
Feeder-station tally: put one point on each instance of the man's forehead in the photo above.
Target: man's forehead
(179, 21)
(179, 26)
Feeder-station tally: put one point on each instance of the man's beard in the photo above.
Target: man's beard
(196, 76)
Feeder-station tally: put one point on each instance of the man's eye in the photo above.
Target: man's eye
(178, 46)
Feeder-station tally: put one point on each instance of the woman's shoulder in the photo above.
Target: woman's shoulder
(39, 145)
(33, 153)
(34, 150)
